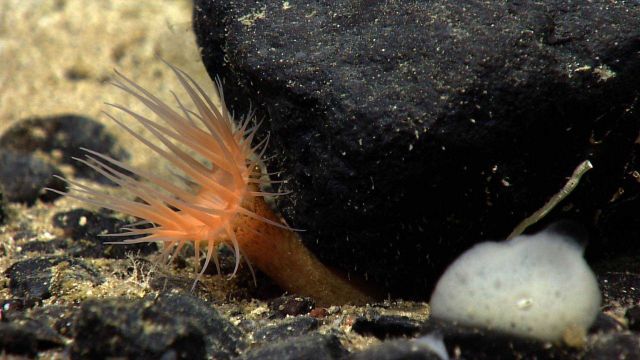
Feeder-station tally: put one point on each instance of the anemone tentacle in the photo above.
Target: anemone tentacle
(203, 215)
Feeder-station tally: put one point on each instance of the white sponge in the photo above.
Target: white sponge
(536, 286)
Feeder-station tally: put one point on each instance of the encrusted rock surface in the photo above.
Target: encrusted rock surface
(409, 130)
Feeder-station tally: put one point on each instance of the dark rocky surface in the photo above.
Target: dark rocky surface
(615, 346)
(58, 318)
(633, 317)
(408, 131)
(296, 326)
(84, 228)
(398, 350)
(476, 343)
(221, 337)
(61, 137)
(36, 279)
(116, 328)
(620, 288)
(23, 177)
(28, 339)
(310, 347)
(171, 326)
(384, 327)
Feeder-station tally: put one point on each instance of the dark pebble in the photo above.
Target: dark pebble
(605, 323)
(14, 339)
(385, 326)
(44, 246)
(289, 328)
(398, 350)
(633, 318)
(222, 338)
(62, 137)
(32, 279)
(309, 347)
(85, 227)
(470, 342)
(291, 305)
(171, 327)
(28, 338)
(476, 343)
(133, 329)
(23, 178)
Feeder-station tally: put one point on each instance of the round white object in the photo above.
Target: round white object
(535, 286)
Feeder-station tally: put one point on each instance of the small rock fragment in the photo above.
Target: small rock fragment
(172, 326)
(33, 279)
(291, 305)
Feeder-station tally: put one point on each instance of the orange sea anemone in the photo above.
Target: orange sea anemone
(225, 205)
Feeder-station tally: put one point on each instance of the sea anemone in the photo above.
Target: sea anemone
(224, 204)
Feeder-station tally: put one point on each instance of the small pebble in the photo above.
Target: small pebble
(291, 305)
(33, 279)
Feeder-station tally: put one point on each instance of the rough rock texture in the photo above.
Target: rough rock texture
(27, 338)
(398, 350)
(408, 131)
(221, 337)
(36, 279)
(383, 327)
(469, 342)
(171, 326)
(296, 326)
(310, 347)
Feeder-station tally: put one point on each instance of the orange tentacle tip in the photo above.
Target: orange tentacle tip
(213, 153)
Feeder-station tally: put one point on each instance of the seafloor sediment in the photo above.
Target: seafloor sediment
(64, 294)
